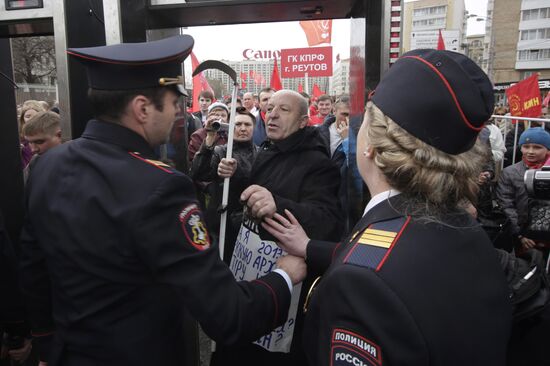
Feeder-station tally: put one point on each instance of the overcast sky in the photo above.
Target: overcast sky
(227, 42)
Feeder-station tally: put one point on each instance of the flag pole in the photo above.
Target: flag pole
(306, 83)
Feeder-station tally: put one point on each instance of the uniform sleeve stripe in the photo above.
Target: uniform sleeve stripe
(150, 163)
(393, 244)
(274, 300)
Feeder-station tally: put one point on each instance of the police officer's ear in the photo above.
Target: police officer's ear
(139, 108)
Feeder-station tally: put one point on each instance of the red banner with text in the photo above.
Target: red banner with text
(315, 61)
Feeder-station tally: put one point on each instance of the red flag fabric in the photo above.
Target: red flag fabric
(275, 78)
(546, 100)
(300, 88)
(317, 31)
(317, 92)
(259, 79)
(440, 42)
(199, 83)
(524, 98)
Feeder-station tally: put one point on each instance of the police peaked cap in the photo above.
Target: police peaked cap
(128, 66)
(441, 97)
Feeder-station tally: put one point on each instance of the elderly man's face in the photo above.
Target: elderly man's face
(248, 101)
(284, 116)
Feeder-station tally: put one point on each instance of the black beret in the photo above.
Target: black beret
(441, 97)
(128, 66)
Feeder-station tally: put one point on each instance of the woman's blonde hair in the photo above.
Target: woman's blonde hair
(434, 179)
(28, 105)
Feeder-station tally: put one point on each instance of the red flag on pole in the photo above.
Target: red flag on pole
(199, 83)
(275, 79)
(317, 31)
(300, 88)
(317, 92)
(524, 98)
(244, 76)
(440, 42)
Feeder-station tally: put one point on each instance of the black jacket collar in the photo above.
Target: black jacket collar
(116, 134)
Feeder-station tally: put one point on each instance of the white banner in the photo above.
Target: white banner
(252, 259)
(428, 39)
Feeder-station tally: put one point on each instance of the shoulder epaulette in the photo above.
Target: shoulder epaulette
(372, 247)
(159, 164)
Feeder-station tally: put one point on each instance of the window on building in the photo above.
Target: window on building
(533, 14)
(534, 55)
(532, 34)
(433, 10)
(429, 22)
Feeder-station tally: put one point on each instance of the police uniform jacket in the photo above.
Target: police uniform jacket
(408, 291)
(118, 240)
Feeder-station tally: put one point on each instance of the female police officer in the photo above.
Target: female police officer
(417, 282)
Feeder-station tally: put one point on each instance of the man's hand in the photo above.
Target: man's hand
(527, 243)
(343, 128)
(227, 167)
(484, 177)
(290, 235)
(21, 354)
(295, 267)
(260, 201)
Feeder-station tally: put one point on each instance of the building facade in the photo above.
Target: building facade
(518, 42)
(475, 49)
(424, 18)
(340, 79)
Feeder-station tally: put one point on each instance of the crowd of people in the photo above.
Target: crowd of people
(119, 252)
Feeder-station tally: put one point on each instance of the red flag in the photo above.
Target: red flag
(317, 31)
(524, 98)
(440, 42)
(199, 83)
(259, 79)
(300, 88)
(546, 100)
(244, 76)
(317, 92)
(275, 79)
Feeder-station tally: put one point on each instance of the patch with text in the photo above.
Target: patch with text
(349, 348)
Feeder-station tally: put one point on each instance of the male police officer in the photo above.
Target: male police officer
(115, 246)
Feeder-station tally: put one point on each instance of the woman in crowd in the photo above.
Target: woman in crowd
(417, 282)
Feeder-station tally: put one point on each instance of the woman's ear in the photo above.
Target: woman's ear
(369, 152)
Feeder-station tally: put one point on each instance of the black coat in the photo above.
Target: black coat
(119, 241)
(302, 178)
(437, 296)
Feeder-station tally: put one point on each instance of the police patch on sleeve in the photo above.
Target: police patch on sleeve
(349, 348)
(194, 228)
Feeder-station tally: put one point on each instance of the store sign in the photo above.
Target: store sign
(315, 61)
(250, 54)
(428, 39)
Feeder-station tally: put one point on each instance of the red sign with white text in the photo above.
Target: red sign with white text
(315, 61)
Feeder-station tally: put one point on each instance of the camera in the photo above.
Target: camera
(220, 125)
(537, 182)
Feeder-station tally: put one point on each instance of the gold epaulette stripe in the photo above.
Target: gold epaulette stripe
(159, 163)
(390, 234)
(369, 236)
(380, 244)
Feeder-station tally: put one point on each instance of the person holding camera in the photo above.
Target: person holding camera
(511, 191)
(210, 163)
(218, 112)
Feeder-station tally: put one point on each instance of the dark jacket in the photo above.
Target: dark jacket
(198, 137)
(205, 169)
(412, 293)
(512, 196)
(115, 248)
(260, 134)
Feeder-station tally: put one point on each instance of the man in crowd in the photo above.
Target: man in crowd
(511, 191)
(205, 99)
(248, 103)
(114, 246)
(43, 132)
(291, 172)
(324, 108)
(260, 129)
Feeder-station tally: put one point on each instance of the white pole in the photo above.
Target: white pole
(515, 144)
(306, 82)
(225, 195)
